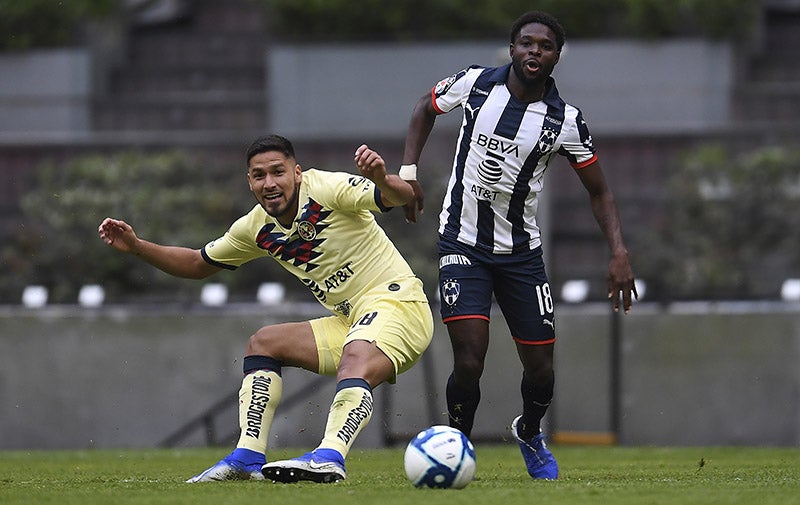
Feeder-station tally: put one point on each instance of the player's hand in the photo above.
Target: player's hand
(415, 205)
(118, 234)
(370, 163)
(621, 285)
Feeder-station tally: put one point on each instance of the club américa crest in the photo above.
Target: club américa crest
(302, 247)
(306, 230)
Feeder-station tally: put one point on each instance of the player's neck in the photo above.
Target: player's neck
(532, 92)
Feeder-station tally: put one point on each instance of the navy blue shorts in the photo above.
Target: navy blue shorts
(469, 277)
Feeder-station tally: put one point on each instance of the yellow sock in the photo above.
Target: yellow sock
(350, 411)
(258, 398)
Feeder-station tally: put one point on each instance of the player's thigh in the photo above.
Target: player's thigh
(291, 343)
(523, 294)
(465, 285)
(401, 329)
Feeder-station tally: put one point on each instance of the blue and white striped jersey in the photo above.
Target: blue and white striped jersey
(504, 147)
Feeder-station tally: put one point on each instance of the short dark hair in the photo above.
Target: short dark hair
(269, 143)
(541, 18)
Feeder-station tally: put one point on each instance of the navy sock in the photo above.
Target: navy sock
(354, 382)
(253, 363)
(536, 398)
(462, 405)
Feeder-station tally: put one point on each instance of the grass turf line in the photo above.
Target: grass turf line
(602, 475)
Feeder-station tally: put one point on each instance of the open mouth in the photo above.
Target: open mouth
(532, 65)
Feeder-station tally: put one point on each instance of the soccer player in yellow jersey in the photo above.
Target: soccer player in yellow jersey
(319, 226)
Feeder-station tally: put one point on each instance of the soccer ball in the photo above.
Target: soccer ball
(440, 457)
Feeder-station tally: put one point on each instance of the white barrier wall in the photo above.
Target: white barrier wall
(111, 377)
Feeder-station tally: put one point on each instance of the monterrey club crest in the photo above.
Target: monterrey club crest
(546, 141)
(306, 230)
(450, 291)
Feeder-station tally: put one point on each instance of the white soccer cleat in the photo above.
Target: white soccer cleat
(322, 465)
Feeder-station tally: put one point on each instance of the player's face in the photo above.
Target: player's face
(275, 179)
(534, 53)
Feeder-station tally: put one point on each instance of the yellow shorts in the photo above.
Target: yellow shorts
(402, 330)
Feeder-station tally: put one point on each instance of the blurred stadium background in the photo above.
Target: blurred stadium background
(142, 109)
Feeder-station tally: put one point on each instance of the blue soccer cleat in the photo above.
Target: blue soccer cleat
(232, 467)
(321, 465)
(538, 458)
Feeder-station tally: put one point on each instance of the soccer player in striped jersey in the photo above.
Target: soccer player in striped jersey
(514, 123)
(320, 227)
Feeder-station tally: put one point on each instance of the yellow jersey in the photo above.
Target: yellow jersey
(334, 246)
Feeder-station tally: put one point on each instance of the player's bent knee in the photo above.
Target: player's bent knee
(264, 342)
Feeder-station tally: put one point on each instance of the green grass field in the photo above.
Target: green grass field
(602, 475)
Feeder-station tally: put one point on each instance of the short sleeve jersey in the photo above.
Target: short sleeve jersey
(504, 148)
(334, 246)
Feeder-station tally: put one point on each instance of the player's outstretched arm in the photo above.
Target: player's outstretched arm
(394, 190)
(177, 261)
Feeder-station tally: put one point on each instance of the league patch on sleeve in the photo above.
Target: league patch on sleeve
(444, 85)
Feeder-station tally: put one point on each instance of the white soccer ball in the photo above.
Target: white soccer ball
(440, 457)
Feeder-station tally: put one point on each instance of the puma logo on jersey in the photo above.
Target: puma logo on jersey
(471, 111)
